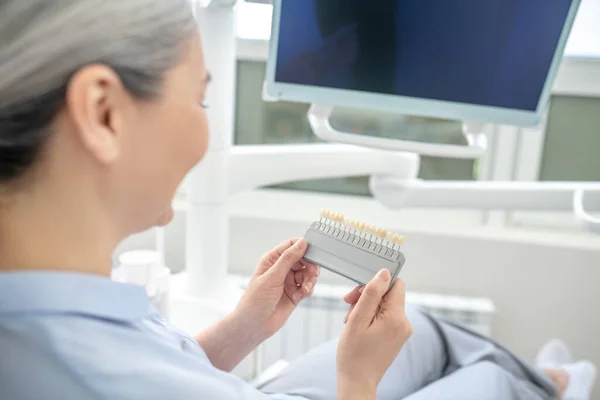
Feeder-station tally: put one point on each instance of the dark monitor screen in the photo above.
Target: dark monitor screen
(495, 53)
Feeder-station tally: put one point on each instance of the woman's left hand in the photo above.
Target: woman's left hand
(280, 282)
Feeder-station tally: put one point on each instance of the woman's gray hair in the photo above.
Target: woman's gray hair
(44, 42)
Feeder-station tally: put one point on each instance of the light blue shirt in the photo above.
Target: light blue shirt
(73, 336)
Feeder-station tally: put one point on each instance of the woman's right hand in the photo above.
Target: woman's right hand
(375, 331)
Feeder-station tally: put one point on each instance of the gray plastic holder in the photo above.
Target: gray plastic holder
(351, 256)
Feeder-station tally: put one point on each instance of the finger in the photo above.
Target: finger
(294, 281)
(290, 282)
(299, 278)
(291, 288)
(353, 296)
(307, 276)
(298, 266)
(314, 281)
(309, 287)
(312, 272)
(304, 291)
(395, 298)
(303, 264)
(310, 275)
(368, 303)
(349, 312)
(270, 258)
(283, 246)
(290, 257)
(309, 264)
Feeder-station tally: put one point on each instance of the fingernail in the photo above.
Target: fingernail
(318, 271)
(297, 296)
(300, 244)
(360, 289)
(309, 286)
(384, 275)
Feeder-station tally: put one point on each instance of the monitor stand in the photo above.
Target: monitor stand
(474, 132)
(588, 221)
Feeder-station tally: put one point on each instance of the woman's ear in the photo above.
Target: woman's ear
(98, 103)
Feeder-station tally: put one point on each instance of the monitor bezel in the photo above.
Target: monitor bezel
(278, 91)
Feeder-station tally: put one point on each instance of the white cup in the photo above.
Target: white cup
(140, 267)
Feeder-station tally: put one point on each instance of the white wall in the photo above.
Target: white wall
(544, 284)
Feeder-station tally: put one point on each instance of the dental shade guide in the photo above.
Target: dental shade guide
(353, 249)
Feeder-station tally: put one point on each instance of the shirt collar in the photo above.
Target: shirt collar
(71, 293)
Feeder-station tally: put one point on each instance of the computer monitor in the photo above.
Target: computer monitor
(469, 60)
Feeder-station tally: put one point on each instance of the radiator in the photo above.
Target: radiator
(320, 319)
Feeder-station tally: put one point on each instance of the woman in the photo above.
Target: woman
(101, 117)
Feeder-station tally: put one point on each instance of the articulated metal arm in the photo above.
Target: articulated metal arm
(318, 116)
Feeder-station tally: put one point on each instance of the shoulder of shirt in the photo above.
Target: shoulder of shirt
(81, 356)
